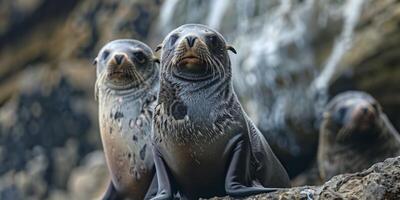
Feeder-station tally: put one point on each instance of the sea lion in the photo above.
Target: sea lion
(126, 89)
(354, 134)
(204, 143)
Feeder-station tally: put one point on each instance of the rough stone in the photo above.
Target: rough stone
(381, 181)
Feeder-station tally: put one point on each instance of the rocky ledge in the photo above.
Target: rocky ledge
(381, 181)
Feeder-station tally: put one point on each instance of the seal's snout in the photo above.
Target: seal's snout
(363, 112)
(191, 40)
(363, 115)
(119, 58)
(118, 66)
(188, 51)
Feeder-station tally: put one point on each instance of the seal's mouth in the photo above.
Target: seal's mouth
(116, 74)
(119, 72)
(190, 60)
(365, 124)
(192, 68)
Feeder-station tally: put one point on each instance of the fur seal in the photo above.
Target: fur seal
(354, 134)
(126, 90)
(204, 143)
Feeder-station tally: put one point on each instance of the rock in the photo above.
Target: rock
(29, 183)
(381, 181)
(89, 180)
(310, 176)
(39, 130)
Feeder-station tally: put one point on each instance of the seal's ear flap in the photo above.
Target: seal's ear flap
(158, 48)
(96, 90)
(94, 61)
(156, 60)
(230, 48)
(376, 106)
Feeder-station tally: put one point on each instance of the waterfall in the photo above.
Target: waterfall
(166, 14)
(320, 85)
(217, 11)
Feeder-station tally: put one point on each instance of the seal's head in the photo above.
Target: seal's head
(124, 64)
(195, 52)
(352, 116)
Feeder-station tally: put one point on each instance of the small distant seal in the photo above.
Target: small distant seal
(354, 134)
(126, 89)
(204, 143)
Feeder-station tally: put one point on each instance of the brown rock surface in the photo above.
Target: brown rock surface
(381, 181)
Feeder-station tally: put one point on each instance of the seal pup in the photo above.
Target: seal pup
(126, 90)
(204, 143)
(354, 134)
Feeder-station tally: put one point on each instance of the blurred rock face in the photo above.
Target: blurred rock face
(43, 134)
(48, 118)
(31, 121)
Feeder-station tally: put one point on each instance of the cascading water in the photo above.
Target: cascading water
(282, 69)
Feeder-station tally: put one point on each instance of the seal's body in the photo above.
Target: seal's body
(354, 135)
(204, 143)
(126, 89)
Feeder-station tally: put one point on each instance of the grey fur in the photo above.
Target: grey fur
(199, 124)
(125, 112)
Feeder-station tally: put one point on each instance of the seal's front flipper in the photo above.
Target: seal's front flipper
(111, 193)
(237, 180)
(164, 185)
(153, 188)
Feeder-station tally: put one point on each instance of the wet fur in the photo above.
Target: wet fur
(196, 123)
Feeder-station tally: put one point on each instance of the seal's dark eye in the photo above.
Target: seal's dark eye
(212, 39)
(342, 112)
(173, 39)
(105, 55)
(140, 57)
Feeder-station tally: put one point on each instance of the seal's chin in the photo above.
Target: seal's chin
(360, 132)
(121, 79)
(192, 68)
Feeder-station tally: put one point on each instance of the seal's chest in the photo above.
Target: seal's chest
(197, 155)
(199, 164)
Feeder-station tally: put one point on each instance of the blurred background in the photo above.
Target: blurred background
(293, 56)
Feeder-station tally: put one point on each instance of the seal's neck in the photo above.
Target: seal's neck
(212, 91)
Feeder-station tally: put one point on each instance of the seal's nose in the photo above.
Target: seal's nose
(363, 112)
(119, 58)
(191, 40)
